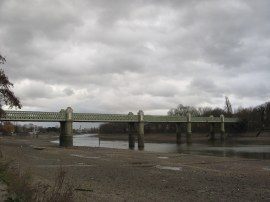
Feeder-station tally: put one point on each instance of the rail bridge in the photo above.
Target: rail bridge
(66, 117)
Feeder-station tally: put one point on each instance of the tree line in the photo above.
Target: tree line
(253, 119)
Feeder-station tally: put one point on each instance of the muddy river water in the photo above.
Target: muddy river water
(217, 148)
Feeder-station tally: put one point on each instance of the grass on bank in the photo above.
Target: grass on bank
(21, 187)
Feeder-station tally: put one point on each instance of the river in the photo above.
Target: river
(218, 148)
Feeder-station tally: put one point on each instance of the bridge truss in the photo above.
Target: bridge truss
(36, 116)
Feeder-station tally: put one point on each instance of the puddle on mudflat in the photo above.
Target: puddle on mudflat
(58, 166)
(266, 168)
(169, 168)
(162, 157)
(86, 157)
(228, 148)
(141, 164)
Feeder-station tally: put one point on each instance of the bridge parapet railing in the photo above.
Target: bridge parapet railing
(231, 120)
(214, 120)
(156, 118)
(32, 116)
(205, 119)
(95, 117)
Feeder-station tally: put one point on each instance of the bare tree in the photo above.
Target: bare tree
(7, 96)
(2, 59)
(183, 110)
(228, 106)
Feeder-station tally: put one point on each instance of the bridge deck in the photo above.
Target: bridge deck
(34, 116)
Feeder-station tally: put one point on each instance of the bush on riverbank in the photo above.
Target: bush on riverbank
(21, 188)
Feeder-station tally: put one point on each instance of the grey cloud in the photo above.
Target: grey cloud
(49, 19)
(121, 55)
(250, 86)
(205, 86)
(34, 90)
(68, 91)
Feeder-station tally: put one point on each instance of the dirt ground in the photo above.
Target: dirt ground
(101, 174)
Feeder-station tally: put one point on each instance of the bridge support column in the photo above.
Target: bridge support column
(131, 135)
(189, 131)
(62, 128)
(212, 129)
(140, 130)
(222, 127)
(66, 129)
(178, 133)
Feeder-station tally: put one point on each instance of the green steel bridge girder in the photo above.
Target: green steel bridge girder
(34, 116)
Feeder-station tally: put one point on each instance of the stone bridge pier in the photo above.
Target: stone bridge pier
(66, 129)
(140, 130)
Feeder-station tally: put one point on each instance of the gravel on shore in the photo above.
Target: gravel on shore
(102, 174)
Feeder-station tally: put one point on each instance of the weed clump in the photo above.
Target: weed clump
(60, 191)
(22, 189)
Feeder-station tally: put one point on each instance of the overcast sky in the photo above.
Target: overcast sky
(117, 56)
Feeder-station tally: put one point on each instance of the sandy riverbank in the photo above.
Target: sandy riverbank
(126, 175)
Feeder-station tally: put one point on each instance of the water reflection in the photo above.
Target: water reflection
(229, 148)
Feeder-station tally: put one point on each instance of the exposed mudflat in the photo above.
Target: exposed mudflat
(100, 174)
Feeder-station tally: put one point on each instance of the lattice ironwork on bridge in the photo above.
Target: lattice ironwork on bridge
(231, 120)
(175, 119)
(93, 117)
(157, 119)
(33, 116)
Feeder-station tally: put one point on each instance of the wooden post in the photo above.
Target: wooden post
(189, 131)
(222, 127)
(140, 130)
(178, 133)
(212, 129)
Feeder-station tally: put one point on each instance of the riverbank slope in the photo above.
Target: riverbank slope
(101, 174)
